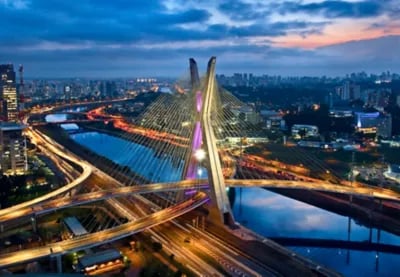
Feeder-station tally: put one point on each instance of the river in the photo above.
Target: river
(273, 215)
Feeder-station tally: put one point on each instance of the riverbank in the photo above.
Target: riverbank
(113, 169)
(161, 147)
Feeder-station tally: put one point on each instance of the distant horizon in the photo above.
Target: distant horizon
(93, 39)
(30, 78)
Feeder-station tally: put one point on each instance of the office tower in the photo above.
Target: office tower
(13, 156)
(67, 92)
(111, 89)
(8, 92)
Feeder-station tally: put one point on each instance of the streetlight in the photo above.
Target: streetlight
(200, 154)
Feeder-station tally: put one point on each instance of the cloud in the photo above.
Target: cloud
(238, 10)
(335, 9)
(134, 37)
(91, 60)
(14, 4)
(101, 21)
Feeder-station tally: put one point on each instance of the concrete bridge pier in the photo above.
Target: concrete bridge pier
(348, 229)
(370, 235)
(59, 263)
(377, 262)
(378, 239)
(348, 239)
(378, 236)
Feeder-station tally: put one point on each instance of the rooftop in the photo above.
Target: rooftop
(11, 126)
(75, 226)
(99, 257)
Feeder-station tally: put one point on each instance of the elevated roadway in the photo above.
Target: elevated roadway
(105, 236)
(61, 152)
(56, 204)
(81, 199)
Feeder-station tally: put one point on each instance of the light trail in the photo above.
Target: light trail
(105, 236)
(80, 199)
(87, 170)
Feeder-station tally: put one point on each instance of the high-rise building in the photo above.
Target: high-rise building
(13, 156)
(111, 89)
(8, 92)
(67, 92)
(348, 91)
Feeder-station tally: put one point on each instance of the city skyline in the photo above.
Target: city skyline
(290, 38)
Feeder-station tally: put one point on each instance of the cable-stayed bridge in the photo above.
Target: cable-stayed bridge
(178, 143)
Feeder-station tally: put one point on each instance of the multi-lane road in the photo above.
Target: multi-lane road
(105, 236)
(39, 138)
(80, 199)
(52, 205)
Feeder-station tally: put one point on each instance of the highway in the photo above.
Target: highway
(51, 146)
(52, 205)
(105, 236)
(80, 199)
(138, 206)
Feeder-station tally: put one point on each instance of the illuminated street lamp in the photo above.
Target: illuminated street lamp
(200, 155)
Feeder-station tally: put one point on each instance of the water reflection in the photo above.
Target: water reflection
(273, 215)
(141, 159)
(56, 117)
(75, 109)
(70, 126)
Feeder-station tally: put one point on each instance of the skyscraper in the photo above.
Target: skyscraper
(13, 156)
(8, 92)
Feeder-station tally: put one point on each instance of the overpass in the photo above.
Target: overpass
(61, 152)
(85, 198)
(159, 217)
(106, 236)
(56, 204)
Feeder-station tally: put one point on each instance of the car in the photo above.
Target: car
(187, 240)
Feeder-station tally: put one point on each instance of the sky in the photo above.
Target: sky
(143, 38)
